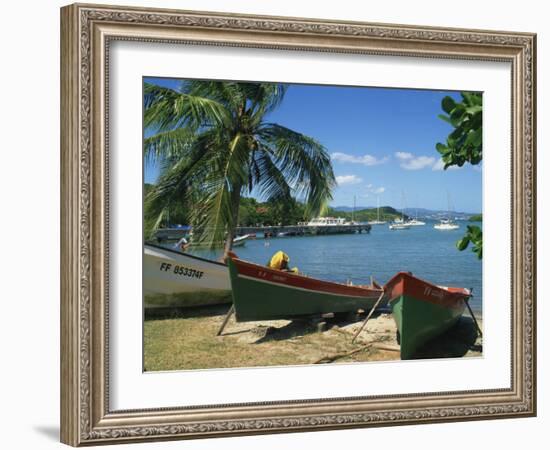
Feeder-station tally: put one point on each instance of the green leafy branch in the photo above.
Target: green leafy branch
(473, 235)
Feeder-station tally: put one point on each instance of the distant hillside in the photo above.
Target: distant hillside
(422, 213)
(350, 208)
(366, 214)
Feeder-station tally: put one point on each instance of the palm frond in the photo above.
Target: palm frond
(303, 161)
(180, 180)
(226, 93)
(166, 109)
(270, 183)
(264, 98)
(168, 145)
(213, 213)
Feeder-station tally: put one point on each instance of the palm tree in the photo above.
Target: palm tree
(213, 144)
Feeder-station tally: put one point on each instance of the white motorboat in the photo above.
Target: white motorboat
(328, 222)
(175, 279)
(240, 241)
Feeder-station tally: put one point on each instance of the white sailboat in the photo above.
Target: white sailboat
(400, 224)
(377, 221)
(448, 223)
(415, 222)
(175, 279)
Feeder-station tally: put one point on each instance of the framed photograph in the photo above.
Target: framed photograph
(276, 225)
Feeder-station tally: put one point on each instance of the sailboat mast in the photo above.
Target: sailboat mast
(353, 211)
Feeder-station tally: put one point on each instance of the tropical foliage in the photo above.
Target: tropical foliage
(464, 144)
(214, 144)
(473, 235)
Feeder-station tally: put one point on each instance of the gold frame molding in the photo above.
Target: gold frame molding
(86, 31)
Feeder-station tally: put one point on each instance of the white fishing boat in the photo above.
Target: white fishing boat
(175, 279)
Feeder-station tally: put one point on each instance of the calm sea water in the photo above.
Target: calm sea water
(427, 253)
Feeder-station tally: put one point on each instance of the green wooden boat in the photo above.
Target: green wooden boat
(422, 310)
(261, 293)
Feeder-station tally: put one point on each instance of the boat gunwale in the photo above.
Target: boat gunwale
(453, 295)
(362, 289)
(170, 250)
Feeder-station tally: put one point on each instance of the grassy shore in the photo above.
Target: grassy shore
(186, 339)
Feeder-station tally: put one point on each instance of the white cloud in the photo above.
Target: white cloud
(408, 161)
(373, 190)
(367, 160)
(348, 179)
(440, 165)
(403, 156)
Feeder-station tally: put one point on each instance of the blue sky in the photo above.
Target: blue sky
(381, 142)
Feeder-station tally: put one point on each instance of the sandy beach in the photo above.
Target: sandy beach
(186, 339)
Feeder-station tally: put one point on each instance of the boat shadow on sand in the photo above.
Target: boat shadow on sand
(454, 343)
(299, 327)
(167, 313)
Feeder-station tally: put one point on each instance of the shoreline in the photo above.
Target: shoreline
(185, 340)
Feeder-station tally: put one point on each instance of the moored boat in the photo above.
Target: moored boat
(240, 241)
(446, 224)
(399, 226)
(261, 293)
(415, 223)
(422, 310)
(175, 279)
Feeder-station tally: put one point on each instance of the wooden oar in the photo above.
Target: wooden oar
(472, 313)
(369, 315)
(226, 319)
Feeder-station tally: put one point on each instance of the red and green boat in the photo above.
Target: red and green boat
(261, 293)
(422, 310)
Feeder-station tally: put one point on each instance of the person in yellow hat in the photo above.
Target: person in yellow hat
(279, 261)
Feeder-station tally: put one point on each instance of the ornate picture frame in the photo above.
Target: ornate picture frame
(86, 34)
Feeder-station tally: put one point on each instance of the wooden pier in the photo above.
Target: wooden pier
(276, 230)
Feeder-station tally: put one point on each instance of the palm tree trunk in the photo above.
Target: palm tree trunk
(235, 200)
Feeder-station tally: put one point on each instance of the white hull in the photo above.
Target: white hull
(399, 226)
(416, 223)
(240, 241)
(172, 278)
(446, 226)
